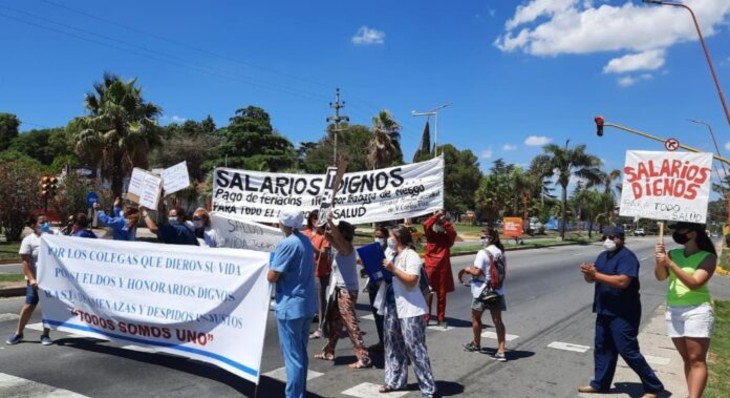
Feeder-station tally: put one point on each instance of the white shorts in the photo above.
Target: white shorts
(690, 321)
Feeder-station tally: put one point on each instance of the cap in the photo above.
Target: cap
(687, 225)
(613, 230)
(291, 217)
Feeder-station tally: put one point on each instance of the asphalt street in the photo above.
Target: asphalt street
(549, 326)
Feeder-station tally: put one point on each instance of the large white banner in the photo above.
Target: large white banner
(201, 303)
(671, 186)
(238, 233)
(405, 191)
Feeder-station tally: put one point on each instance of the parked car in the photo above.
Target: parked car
(639, 232)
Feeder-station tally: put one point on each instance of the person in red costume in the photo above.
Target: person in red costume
(440, 236)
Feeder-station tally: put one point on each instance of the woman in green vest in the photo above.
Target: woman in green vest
(689, 310)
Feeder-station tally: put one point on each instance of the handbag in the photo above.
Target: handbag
(424, 285)
(488, 295)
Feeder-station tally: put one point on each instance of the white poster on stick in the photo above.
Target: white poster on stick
(144, 188)
(175, 178)
(673, 186)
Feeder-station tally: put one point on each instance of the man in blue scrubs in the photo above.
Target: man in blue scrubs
(292, 269)
(618, 307)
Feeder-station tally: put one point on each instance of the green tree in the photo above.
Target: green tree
(566, 162)
(19, 182)
(490, 198)
(44, 145)
(385, 124)
(193, 142)
(462, 178)
(9, 125)
(351, 139)
(120, 130)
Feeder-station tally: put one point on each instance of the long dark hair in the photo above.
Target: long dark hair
(404, 236)
(310, 218)
(494, 234)
(704, 242)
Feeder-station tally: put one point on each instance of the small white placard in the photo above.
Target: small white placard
(175, 178)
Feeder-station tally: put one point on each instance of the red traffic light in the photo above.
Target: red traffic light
(599, 125)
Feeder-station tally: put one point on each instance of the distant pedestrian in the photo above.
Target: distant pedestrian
(690, 317)
(440, 236)
(617, 305)
(80, 227)
(292, 270)
(29, 252)
(322, 266)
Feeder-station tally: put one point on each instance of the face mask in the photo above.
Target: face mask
(680, 239)
(173, 221)
(438, 228)
(380, 241)
(609, 245)
(391, 244)
(46, 227)
(198, 224)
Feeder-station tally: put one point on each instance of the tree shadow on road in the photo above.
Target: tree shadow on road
(267, 387)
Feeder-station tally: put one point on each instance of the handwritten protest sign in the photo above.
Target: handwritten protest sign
(671, 186)
(512, 227)
(239, 233)
(364, 197)
(144, 188)
(185, 300)
(175, 178)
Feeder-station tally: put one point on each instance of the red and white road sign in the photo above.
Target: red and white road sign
(671, 144)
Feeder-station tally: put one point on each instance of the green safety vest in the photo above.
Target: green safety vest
(679, 294)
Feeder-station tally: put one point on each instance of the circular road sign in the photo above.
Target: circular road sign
(671, 144)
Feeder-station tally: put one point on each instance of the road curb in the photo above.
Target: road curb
(12, 291)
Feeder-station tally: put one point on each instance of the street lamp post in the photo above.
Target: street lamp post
(435, 113)
(714, 141)
(704, 47)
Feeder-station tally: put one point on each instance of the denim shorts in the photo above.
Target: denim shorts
(690, 321)
(479, 305)
(31, 295)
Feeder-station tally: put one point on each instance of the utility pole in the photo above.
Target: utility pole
(337, 119)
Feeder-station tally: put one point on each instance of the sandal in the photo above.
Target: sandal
(315, 335)
(386, 389)
(324, 356)
(360, 365)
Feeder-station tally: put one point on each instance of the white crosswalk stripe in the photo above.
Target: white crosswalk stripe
(370, 390)
(568, 347)
(492, 335)
(17, 387)
(280, 374)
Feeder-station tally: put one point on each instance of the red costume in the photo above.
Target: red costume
(438, 262)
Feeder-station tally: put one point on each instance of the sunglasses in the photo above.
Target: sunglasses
(611, 237)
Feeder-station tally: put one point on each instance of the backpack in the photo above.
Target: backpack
(497, 270)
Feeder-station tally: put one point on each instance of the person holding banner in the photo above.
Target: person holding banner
(690, 317)
(617, 305)
(404, 307)
(29, 251)
(343, 290)
(123, 222)
(292, 270)
(322, 266)
(440, 236)
(204, 232)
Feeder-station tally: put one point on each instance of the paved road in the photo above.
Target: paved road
(548, 304)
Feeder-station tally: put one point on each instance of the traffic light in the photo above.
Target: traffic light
(45, 185)
(53, 187)
(599, 125)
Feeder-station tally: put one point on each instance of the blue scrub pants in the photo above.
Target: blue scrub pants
(293, 339)
(614, 336)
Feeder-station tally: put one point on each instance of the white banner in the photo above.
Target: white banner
(371, 196)
(238, 233)
(175, 178)
(206, 304)
(672, 186)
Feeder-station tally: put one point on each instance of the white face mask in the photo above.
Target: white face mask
(380, 241)
(198, 224)
(391, 244)
(609, 245)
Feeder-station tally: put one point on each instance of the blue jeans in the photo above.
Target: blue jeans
(293, 339)
(31, 295)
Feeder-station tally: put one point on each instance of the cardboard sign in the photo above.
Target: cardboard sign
(512, 227)
(144, 188)
(672, 186)
(175, 178)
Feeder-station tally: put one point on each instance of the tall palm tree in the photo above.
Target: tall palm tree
(384, 147)
(567, 162)
(611, 186)
(119, 131)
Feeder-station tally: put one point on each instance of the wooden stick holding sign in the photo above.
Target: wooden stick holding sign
(334, 175)
(661, 232)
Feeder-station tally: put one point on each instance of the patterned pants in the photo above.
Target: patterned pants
(405, 339)
(344, 315)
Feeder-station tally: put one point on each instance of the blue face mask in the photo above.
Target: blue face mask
(46, 227)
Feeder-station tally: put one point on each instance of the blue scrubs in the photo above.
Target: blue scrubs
(296, 301)
(617, 323)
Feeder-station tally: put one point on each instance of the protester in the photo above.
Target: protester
(29, 251)
(440, 236)
(123, 222)
(486, 267)
(617, 306)
(204, 232)
(81, 228)
(173, 230)
(292, 270)
(322, 266)
(690, 317)
(404, 322)
(380, 235)
(344, 291)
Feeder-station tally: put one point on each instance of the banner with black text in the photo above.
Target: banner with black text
(238, 233)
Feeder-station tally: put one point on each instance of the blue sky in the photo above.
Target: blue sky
(518, 74)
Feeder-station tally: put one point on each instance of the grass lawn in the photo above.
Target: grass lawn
(9, 250)
(11, 277)
(719, 383)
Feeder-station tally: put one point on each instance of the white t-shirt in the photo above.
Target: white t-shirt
(31, 246)
(482, 262)
(409, 302)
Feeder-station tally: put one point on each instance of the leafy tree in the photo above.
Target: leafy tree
(193, 142)
(43, 145)
(9, 124)
(461, 178)
(385, 126)
(491, 197)
(120, 130)
(19, 182)
(71, 196)
(351, 139)
(566, 162)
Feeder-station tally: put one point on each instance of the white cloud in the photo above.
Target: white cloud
(557, 27)
(366, 36)
(727, 145)
(486, 154)
(535, 140)
(647, 60)
(509, 147)
(177, 119)
(629, 80)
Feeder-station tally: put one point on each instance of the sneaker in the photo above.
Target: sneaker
(471, 347)
(14, 339)
(46, 340)
(500, 357)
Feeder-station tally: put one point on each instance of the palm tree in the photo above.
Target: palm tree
(567, 162)
(384, 147)
(608, 180)
(119, 131)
